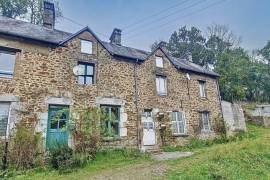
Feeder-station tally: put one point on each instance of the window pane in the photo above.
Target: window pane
(162, 86)
(179, 116)
(86, 47)
(174, 117)
(115, 113)
(4, 112)
(205, 121)
(202, 89)
(115, 128)
(89, 80)
(62, 124)
(82, 69)
(7, 63)
(174, 127)
(81, 80)
(159, 62)
(54, 123)
(181, 126)
(90, 70)
(157, 84)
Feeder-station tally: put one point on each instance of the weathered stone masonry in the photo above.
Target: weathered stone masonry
(43, 75)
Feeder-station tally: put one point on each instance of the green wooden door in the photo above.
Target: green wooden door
(57, 135)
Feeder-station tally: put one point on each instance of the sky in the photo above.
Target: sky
(145, 21)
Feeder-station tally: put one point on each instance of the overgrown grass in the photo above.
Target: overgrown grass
(107, 159)
(245, 159)
(195, 144)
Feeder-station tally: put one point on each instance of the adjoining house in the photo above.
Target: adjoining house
(157, 99)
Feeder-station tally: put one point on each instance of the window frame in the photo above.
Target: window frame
(158, 87)
(178, 123)
(6, 133)
(202, 88)
(117, 120)
(90, 49)
(202, 118)
(8, 74)
(162, 61)
(86, 64)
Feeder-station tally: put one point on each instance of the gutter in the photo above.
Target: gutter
(136, 104)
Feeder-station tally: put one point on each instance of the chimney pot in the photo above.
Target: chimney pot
(49, 15)
(116, 36)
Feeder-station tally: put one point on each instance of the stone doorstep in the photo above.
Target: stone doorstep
(163, 156)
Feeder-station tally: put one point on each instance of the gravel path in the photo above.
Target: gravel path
(146, 171)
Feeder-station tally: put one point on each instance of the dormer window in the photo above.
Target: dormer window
(159, 62)
(86, 47)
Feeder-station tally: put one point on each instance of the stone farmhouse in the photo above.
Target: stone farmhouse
(157, 99)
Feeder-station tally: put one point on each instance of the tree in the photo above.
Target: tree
(265, 52)
(13, 8)
(30, 10)
(187, 41)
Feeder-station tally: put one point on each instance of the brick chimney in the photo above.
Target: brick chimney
(116, 36)
(49, 15)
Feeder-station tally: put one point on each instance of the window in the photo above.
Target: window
(7, 63)
(111, 126)
(87, 73)
(147, 113)
(161, 84)
(86, 47)
(4, 114)
(159, 62)
(178, 123)
(205, 121)
(202, 88)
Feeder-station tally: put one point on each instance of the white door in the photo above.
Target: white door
(149, 136)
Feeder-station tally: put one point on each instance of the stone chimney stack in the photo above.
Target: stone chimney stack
(49, 15)
(116, 36)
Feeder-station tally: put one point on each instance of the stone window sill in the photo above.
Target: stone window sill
(85, 85)
(180, 135)
(110, 139)
(206, 132)
(6, 78)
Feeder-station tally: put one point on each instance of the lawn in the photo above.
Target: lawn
(247, 157)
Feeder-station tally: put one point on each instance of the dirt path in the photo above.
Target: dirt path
(153, 170)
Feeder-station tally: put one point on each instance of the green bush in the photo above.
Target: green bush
(25, 148)
(64, 159)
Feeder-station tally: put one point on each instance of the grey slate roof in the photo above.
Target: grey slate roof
(183, 64)
(31, 31)
(27, 30)
(127, 52)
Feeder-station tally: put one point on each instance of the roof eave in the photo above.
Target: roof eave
(29, 38)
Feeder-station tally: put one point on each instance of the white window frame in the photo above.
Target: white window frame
(8, 119)
(178, 123)
(158, 85)
(86, 47)
(205, 116)
(159, 62)
(202, 89)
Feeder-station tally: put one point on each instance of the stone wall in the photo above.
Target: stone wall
(233, 116)
(44, 76)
